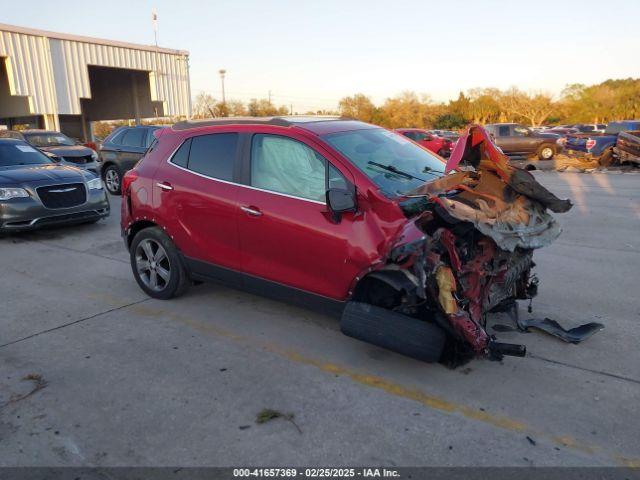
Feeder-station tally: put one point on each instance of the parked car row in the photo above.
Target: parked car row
(58, 147)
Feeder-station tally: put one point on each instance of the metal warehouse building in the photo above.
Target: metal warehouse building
(63, 82)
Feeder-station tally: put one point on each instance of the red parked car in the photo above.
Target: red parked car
(437, 144)
(342, 215)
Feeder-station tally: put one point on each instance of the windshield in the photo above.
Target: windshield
(50, 139)
(20, 153)
(394, 163)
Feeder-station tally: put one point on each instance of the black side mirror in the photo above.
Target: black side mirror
(339, 201)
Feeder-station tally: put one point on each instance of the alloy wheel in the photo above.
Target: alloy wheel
(112, 180)
(546, 153)
(152, 265)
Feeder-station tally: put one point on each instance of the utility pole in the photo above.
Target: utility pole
(222, 73)
(269, 97)
(291, 109)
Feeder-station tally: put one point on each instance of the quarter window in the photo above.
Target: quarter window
(213, 155)
(284, 165)
(181, 157)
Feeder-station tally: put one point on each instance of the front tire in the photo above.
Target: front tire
(546, 152)
(157, 265)
(113, 180)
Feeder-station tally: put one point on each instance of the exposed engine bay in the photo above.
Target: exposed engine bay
(467, 251)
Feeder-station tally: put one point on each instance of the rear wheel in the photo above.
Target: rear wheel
(156, 264)
(546, 151)
(113, 179)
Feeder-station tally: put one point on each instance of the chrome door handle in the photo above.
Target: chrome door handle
(251, 211)
(164, 186)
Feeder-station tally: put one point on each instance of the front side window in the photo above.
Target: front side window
(521, 131)
(284, 165)
(422, 136)
(213, 155)
(411, 135)
(503, 131)
(394, 163)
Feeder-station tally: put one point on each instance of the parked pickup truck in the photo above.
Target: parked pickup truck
(599, 146)
(518, 140)
(627, 147)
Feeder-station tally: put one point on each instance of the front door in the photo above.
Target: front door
(287, 234)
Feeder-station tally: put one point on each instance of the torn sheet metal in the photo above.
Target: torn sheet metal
(468, 247)
(573, 335)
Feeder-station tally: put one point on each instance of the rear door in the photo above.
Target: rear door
(133, 146)
(197, 193)
(287, 234)
(110, 149)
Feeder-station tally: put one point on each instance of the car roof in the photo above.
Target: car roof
(11, 140)
(316, 124)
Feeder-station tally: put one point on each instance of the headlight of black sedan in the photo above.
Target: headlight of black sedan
(9, 193)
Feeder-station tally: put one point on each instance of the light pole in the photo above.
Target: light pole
(222, 73)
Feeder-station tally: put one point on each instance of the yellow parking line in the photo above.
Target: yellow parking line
(432, 401)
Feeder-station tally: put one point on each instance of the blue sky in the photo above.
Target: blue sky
(312, 53)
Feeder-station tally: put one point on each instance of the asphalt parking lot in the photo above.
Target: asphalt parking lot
(126, 380)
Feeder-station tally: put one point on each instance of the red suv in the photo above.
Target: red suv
(342, 215)
(440, 145)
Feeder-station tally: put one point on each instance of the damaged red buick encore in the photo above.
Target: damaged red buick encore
(345, 216)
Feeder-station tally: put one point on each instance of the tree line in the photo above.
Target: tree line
(610, 100)
(578, 103)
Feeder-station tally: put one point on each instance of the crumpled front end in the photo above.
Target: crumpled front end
(468, 249)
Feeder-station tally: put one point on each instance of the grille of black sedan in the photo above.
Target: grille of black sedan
(79, 160)
(63, 196)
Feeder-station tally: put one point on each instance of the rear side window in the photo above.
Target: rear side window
(503, 131)
(213, 155)
(134, 137)
(116, 136)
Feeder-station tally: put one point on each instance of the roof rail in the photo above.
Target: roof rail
(284, 121)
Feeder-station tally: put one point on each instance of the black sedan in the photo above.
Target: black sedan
(36, 191)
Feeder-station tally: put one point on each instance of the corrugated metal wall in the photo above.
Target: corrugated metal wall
(169, 78)
(29, 69)
(54, 73)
